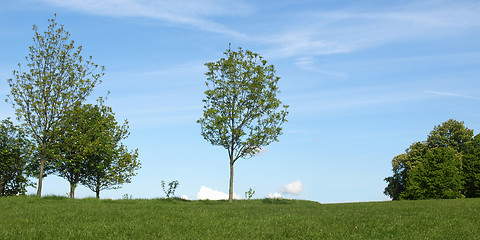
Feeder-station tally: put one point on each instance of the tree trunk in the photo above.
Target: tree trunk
(40, 177)
(73, 184)
(97, 190)
(2, 187)
(230, 191)
(72, 190)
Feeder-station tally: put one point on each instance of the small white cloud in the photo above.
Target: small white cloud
(293, 188)
(274, 195)
(206, 193)
(185, 197)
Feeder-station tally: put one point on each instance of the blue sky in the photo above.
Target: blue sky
(364, 80)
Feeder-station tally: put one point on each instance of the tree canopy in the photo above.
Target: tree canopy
(242, 112)
(451, 133)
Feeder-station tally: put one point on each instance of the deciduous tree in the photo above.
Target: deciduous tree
(242, 112)
(57, 79)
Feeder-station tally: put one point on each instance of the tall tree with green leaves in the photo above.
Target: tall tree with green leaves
(242, 113)
(15, 152)
(57, 79)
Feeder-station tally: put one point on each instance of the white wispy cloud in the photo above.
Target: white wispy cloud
(206, 193)
(301, 32)
(293, 188)
(308, 63)
(451, 94)
(315, 33)
(192, 13)
(185, 197)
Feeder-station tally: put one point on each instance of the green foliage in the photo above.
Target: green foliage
(438, 175)
(172, 219)
(74, 144)
(471, 168)
(446, 165)
(58, 78)
(172, 186)
(401, 165)
(241, 112)
(249, 194)
(122, 168)
(451, 133)
(84, 133)
(396, 183)
(15, 152)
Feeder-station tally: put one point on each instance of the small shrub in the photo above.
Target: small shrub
(172, 186)
(249, 194)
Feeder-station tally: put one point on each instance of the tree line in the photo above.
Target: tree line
(446, 165)
(83, 142)
(60, 134)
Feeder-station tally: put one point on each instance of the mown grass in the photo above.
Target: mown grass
(28, 217)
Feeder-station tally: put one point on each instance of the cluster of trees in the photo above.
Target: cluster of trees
(82, 142)
(60, 134)
(446, 165)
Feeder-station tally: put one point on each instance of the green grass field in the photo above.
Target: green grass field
(28, 217)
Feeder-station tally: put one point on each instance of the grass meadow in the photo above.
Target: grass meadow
(51, 217)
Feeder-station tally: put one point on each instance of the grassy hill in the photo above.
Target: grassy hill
(28, 217)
